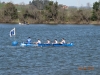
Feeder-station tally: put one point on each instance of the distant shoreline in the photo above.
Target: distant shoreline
(92, 22)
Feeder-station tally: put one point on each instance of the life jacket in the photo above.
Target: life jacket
(28, 41)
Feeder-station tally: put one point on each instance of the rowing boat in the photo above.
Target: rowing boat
(46, 45)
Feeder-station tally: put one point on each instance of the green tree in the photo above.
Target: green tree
(11, 11)
(39, 4)
(96, 8)
(51, 11)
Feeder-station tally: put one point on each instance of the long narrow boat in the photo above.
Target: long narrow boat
(46, 45)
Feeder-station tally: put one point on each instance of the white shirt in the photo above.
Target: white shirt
(39, 42)
(63, 41)
(56, 41)
(48, 42)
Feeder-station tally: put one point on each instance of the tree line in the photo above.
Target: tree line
(45, 11)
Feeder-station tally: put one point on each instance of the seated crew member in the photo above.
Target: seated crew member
(48, 41)
(63, 41)
(29, 40)
(55, 41)
(38, 42)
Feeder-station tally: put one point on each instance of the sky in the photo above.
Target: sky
(65, 2)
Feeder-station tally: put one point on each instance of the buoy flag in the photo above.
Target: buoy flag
(12, 32)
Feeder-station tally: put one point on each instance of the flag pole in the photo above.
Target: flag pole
(14, 37)
(12, 33)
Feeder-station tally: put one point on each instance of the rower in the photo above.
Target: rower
(55, 41)
(29, 40)
(48, 41)
(38, 42)
(63, 41)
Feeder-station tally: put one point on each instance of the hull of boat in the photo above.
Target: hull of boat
(46, 45)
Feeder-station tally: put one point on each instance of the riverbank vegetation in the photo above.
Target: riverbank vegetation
(45, 11)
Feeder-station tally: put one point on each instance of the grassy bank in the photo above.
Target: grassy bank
(53, 22)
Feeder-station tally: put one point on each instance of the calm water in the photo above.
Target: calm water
(50, 60)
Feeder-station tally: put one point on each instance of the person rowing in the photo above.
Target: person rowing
(48, 41)
(28, 40)
(55, 41)
(63, 41)
(38, 42)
